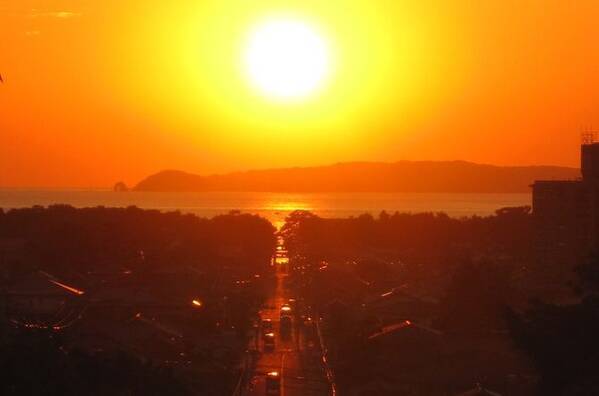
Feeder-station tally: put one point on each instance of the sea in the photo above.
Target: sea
(273, 206)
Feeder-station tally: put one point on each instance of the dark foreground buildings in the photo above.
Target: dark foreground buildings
(566, 214)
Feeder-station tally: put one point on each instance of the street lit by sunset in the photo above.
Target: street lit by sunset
(299, 197)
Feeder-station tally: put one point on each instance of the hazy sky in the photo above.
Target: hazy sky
(101, 91)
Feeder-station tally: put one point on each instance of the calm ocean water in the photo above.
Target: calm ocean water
(273, 206)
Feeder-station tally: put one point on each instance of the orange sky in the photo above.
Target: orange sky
(101, 91)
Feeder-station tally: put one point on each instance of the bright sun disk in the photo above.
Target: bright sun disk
(286, 59)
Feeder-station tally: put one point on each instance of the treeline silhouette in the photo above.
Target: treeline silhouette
(411, 303)
(433, 304)
(415, 239)
(166, 299)
(66, 240)
(428, 304)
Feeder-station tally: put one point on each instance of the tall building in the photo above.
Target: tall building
(566, 213)
(589, 160)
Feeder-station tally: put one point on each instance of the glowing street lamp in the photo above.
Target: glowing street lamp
(197, 303)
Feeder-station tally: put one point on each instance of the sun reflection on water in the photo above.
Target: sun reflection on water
(287, 206)
(280, 209)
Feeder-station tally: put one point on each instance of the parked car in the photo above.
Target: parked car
(273, 383)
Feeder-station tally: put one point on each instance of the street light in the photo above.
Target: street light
(197, 303)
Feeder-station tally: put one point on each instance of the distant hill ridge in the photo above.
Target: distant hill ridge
(402, 176)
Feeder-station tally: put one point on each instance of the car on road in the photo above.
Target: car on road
(273, 383)
(293, 304)
(267, 326)
(269, 341)
(285, 310)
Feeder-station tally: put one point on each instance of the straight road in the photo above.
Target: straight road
(296, 356)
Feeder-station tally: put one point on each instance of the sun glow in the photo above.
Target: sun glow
(215, 76)
(286, 59)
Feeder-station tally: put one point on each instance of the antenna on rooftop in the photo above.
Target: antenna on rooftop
(588, 135)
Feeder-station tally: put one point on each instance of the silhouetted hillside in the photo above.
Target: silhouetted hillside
(403, 176)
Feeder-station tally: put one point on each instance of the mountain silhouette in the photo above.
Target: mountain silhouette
(402, 176)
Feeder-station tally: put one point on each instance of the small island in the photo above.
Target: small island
(120, 187)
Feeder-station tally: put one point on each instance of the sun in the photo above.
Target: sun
(286, 59)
